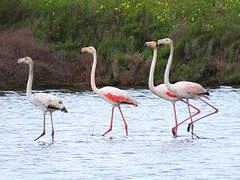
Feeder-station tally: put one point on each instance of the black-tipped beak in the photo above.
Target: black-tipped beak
(144, 46)
(83, 50)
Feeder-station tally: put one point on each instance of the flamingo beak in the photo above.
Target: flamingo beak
(146, 44)
(84, 50)
(151, 44)
(159, 42)
(20, 60)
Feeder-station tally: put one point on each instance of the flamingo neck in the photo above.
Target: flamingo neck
(166, 75)
(93, 84)
(30, 81)
(151, 74)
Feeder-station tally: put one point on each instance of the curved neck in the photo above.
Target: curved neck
(30, 81)
(151, 74)
(93, 84)
(166, 75)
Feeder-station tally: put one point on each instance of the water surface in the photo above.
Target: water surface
(149, 152)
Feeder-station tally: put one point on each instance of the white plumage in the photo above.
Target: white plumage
(46, 102)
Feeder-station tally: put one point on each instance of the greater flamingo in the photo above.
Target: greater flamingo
(46, 102)
(112, 95)
(162, 91)
(184, 89)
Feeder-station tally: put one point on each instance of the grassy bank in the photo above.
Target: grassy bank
(206, 35)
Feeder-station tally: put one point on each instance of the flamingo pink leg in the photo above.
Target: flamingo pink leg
(174, 130)
(126, 127)
(198, 111)
(43, 133)
(216, 110)
(52, 127)
(193, 134)
(110, 124)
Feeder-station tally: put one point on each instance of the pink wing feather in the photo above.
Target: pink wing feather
(118, 96)
(195, 89)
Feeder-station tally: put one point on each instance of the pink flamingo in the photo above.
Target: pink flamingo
(184, 89)
(162, 91)
(112, 95)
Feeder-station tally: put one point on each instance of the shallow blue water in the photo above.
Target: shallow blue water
(149, 152)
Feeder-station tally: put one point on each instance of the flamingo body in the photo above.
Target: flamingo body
(116, 96)
(47, 102)
(162, 92)
(186, 89)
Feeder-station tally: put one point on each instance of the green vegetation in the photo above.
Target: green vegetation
(206, 33)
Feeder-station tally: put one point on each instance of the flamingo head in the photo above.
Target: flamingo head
(151, 44)
(89, 49)
(26, 60)
(165, 41)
